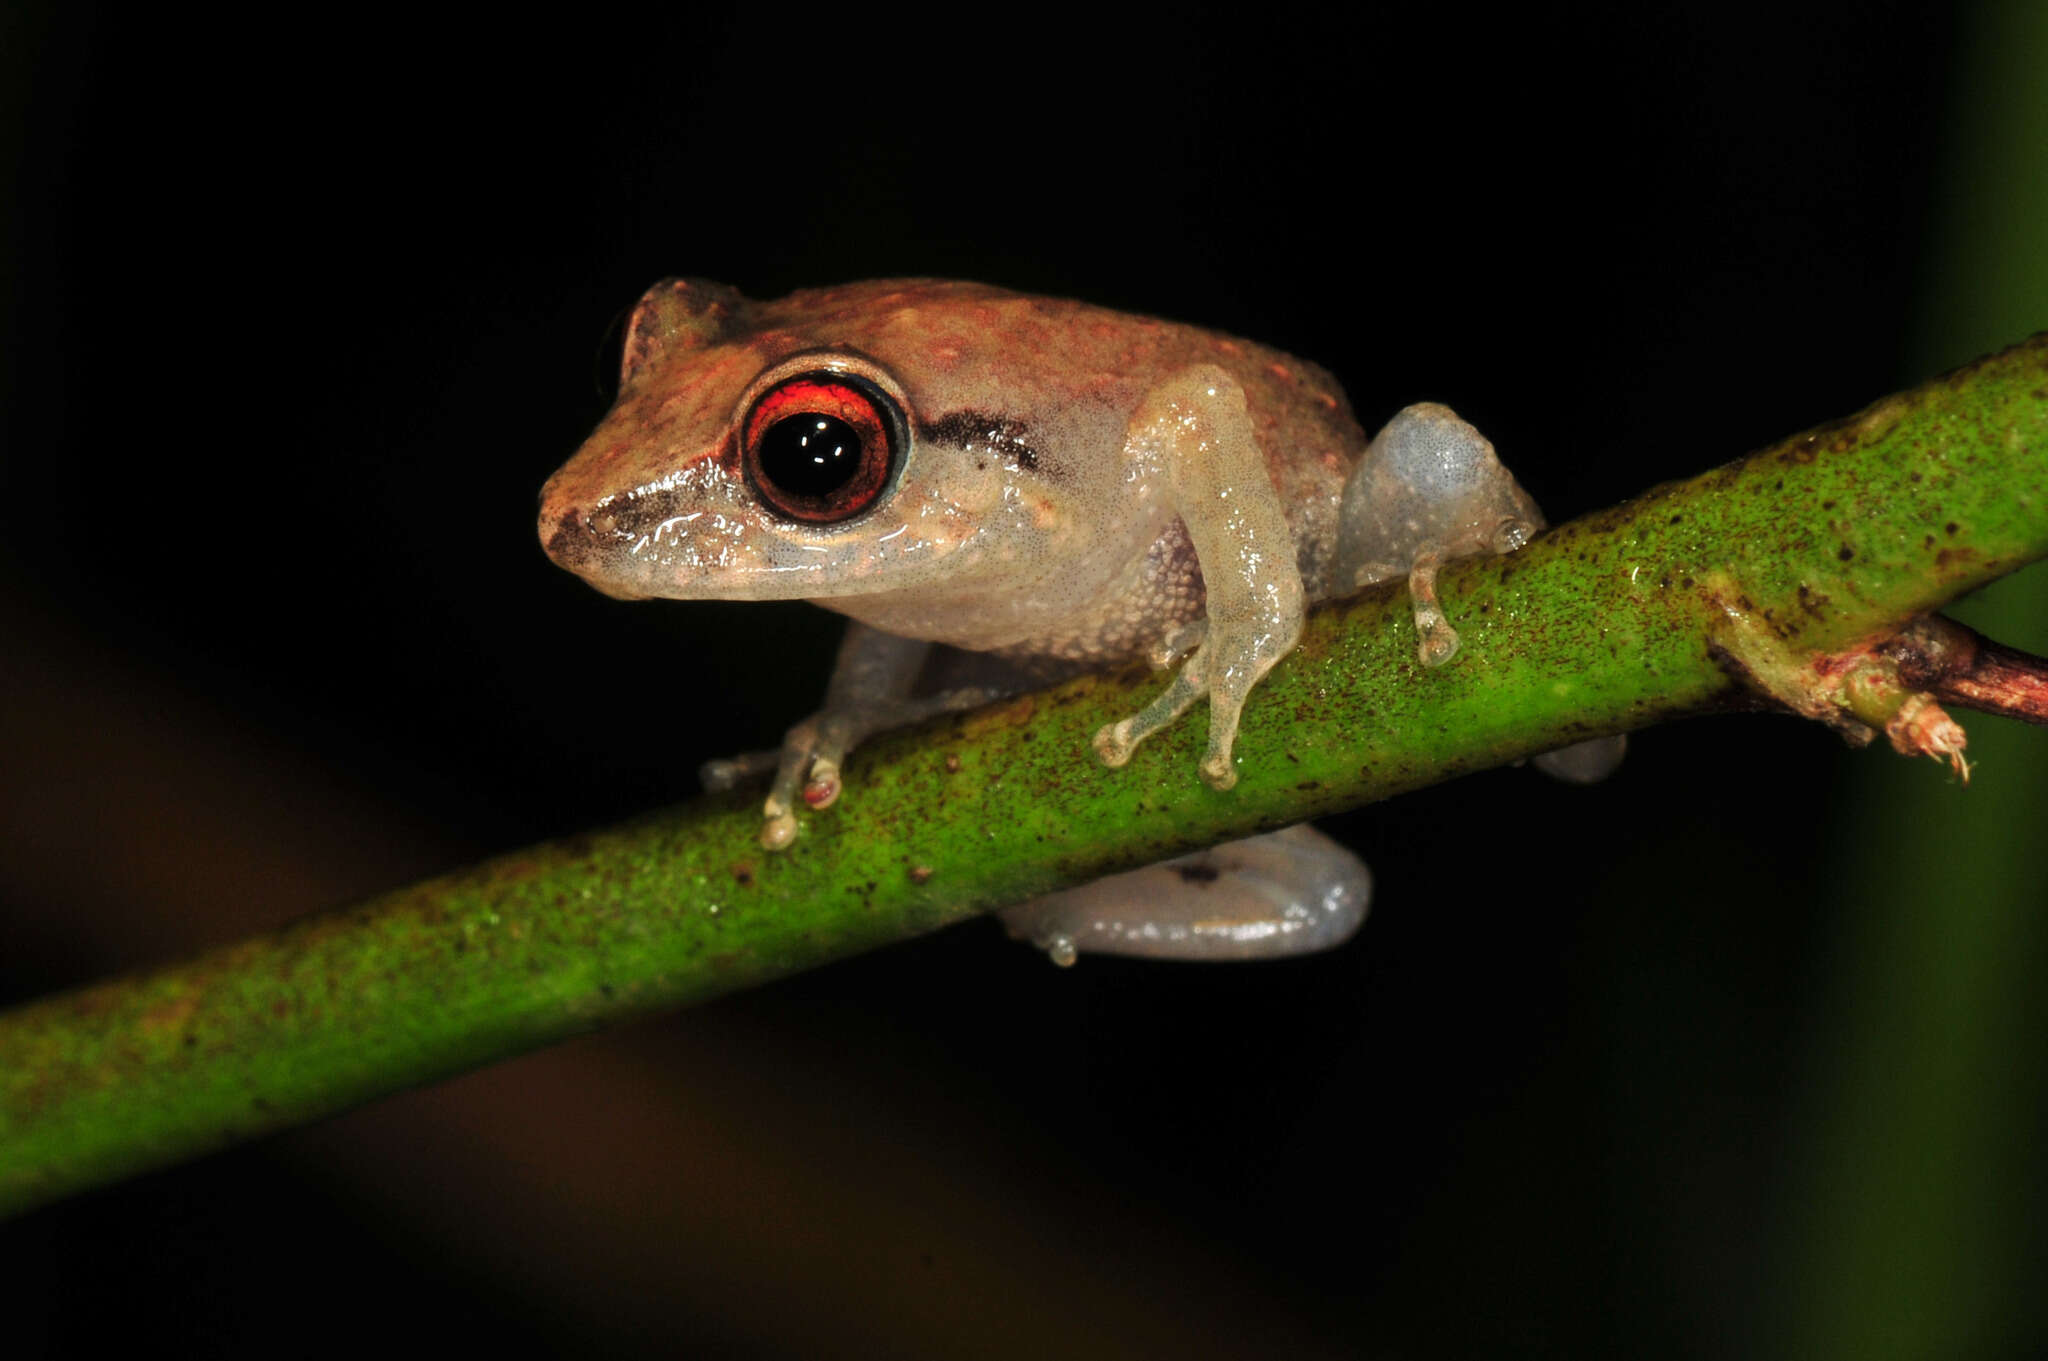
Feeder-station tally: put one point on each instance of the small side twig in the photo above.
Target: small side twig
(1894, 683)
(1959, 666)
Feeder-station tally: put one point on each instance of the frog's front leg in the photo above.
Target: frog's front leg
(868, 693)
(1195, 431)
(1428, 491)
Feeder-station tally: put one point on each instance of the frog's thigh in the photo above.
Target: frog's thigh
(1195, 428)
(1289, 892)
(1429, 489)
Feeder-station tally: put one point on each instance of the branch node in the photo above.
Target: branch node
(1891, 682)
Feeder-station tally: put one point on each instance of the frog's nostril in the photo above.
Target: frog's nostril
(565, 536)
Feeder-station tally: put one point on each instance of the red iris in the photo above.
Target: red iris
(819, 447)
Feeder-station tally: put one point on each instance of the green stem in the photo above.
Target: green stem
(1603, 625)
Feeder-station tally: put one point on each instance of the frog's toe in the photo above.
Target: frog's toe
(1437, 641)
(733, 771)
(1217, 771)
(822, 789)
(1113, 743)
(1059, 947)
(778, 830)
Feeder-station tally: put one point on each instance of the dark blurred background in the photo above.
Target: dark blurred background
(1738, 1054)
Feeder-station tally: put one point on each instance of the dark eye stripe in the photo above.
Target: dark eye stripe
(1004, 436)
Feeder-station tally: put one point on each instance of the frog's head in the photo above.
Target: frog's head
(763, 451)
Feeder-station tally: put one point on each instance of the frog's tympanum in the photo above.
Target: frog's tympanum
(1045, 486)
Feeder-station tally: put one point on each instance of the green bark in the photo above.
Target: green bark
(1603, 625)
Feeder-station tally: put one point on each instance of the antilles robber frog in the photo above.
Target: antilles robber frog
(1053, 485)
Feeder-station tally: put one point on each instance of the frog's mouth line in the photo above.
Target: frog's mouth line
(607, 559)
(611, 560)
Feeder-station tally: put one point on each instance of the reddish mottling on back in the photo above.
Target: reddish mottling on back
(1281, 371)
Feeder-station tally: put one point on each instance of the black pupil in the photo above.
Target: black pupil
(810, 454)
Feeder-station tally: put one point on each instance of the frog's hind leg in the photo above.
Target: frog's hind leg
(1289, 892)
(1430, 489)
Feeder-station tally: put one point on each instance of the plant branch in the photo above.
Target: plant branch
(1962, 667)
(1830, 541)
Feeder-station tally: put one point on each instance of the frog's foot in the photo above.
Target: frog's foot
(1289, 892)
(1436, 641)
(1229, 661)
(807, 766)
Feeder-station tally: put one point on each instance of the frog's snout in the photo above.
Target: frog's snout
(565, 538)
(562, 525)
(572, 542)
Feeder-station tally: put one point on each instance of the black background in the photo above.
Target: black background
(304, 309)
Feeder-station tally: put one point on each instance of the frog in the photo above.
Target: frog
(999, 490)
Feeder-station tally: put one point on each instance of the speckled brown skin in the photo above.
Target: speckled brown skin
(1022, 522)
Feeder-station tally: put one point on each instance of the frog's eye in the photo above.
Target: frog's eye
(819, 447)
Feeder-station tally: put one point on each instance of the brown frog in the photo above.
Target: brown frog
(1046, 483)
